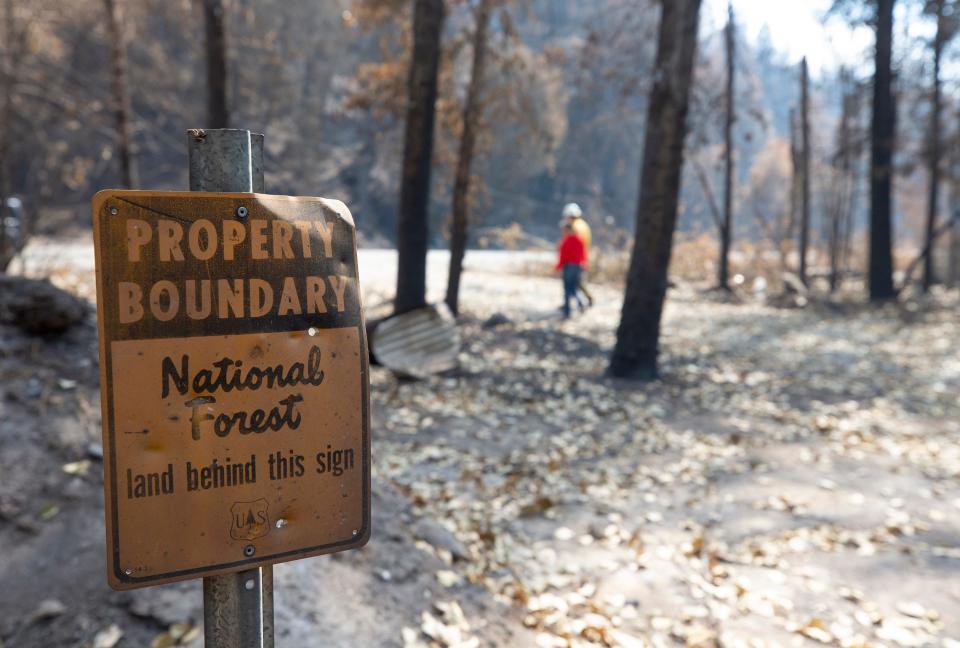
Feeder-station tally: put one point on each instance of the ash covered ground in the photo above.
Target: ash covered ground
(792, 480)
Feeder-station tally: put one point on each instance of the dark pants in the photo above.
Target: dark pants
(571, 279)
(582, 287)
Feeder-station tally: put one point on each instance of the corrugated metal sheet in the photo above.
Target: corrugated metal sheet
(418, 343)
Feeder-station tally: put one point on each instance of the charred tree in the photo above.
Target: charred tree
(786, 244)
(882, 129)
(218, 113)
(726, 230)
(635, 353)
(933, 144)
(953, 266)
(854, 153)
(121, 95)
(468, 138)
(804, 168)
(413, 222)
(841, 207)
(6, 127)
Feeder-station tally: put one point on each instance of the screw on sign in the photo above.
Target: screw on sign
(235, 385)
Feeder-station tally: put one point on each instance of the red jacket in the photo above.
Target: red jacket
(572, 250)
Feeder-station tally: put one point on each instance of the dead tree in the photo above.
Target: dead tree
(804, 168)
(842, 194)
(855, 144)
(6, 126)
(635, 353)
(468, 138)
(953, 266)
(218, 113)
(726, 229)
(786, 243)
(413, 221)
(925, 252)
(122, 109)
(933, 144)
(882, 129)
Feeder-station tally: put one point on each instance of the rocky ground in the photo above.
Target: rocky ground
(793, 479)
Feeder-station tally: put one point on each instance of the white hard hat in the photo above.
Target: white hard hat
(572, 210)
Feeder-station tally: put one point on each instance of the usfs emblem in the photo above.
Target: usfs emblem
(250, 520)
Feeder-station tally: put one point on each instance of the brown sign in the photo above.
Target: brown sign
(234, 378)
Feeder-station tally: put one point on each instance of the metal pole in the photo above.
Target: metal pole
(225, 159)
(238, 607)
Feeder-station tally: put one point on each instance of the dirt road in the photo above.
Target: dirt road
(793, 479)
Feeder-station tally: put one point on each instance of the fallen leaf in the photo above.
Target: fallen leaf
(817, 630)
(108, 637)
(81, 467)
(48, 609)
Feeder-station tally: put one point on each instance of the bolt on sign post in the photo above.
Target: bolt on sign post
(234, 379)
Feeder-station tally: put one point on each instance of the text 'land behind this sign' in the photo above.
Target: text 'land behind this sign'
(234, 379)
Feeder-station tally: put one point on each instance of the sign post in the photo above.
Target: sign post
(234, 383)
(237, 607)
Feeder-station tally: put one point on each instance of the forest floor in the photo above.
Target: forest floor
(792, 480)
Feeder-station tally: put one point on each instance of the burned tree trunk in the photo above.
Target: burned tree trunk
(461, 185)
(804, 168)
(121, 95)
(787, 243)
(635, 353)
(841, 203)
(413, 221)
(882, 129)
(853, 155)
(726, 230)
(218, 114)
(953, 269)
(6, 128)
(953, 265)
(934, 153)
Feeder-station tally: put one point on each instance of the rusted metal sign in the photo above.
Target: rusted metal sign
(233, 369)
